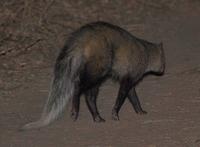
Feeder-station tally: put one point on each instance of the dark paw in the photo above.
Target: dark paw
(141, 112)
(74, 116)
(99, 119)
(115, 116)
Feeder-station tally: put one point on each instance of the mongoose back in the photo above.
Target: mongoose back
(93, 53)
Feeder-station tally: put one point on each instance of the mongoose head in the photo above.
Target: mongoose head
(156, 62)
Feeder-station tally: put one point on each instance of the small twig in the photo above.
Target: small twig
(3, 53)
(49, 5)
(45, 11)
(29, 46)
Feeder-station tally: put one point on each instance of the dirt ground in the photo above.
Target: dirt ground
(31, 33)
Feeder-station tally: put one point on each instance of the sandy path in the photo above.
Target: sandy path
(172, 101)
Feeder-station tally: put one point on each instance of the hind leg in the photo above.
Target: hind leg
(133, 98)
(75, 103)
(90, 97)
(125, 86)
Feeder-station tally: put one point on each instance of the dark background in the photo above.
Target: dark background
(33, 31)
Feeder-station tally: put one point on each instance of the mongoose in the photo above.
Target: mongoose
(93, 53)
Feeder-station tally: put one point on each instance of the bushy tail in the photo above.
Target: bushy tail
(63, 84)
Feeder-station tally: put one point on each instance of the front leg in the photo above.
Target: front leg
(133, 98)
(125, 86)
(90, 97)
